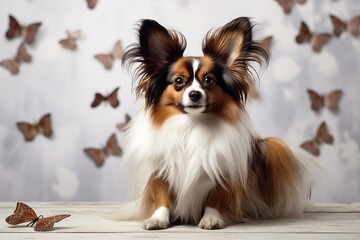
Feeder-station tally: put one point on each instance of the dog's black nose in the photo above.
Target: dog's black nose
(195, 96)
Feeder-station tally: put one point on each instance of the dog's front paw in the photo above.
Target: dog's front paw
(211, 223)
(159, 219)
(154, 224)
(211, 219)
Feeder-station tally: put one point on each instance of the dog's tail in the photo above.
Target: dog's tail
(125, 211)
(290, 176)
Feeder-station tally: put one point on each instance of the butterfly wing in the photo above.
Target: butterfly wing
(23, 213)
(286, 5)
(117, 51)
(112, 146)
(304, 34)
(338, 25)
(91, 3)
(30, 32)
(105, 59)
(332, 100)
(312, 147)
(11, 65)
(97, 100)
(75, 34)
(323, 135)
(14, 28)
(28, 130)
(124, 125)
(112, 98)
(22, 55)
(45, 125)
(69, 43)
(46, 224)
(353, 26)
(319, 40)
(266, 43)
(97, 155)
(316, 100)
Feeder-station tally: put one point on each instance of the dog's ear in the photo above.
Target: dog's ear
(233, 48)
(156, 50)
(232, 42)
(159, 47)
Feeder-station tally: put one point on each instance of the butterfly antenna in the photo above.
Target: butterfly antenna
(30, 224)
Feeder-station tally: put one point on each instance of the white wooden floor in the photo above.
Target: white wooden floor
(323, 221)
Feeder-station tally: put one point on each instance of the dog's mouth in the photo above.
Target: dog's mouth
(194, 108)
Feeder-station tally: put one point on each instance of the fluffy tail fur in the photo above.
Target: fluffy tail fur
(288, 179)
(126, 211)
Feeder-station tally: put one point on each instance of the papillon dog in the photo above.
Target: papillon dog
(195, 156)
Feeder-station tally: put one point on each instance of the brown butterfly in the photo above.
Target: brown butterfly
(91, 3)
(341, 26)
(23, 213)
(266, 43)
(330, 100)
(70, 41)
(288, 4)
(27, 32)
(322, 136)
(124, 125)
(107, 58)
(111, 99)
(31, 130)
(13, 64)
(98, 155)
(317, 40)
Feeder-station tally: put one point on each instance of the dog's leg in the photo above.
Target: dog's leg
(157, 192)
(215, 203)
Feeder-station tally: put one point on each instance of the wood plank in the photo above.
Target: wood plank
(195, 236)
(338, 207)
(323, 221)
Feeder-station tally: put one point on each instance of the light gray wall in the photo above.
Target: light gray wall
(63, 83)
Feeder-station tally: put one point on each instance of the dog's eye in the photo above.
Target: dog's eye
(179, 83)
(209, 81)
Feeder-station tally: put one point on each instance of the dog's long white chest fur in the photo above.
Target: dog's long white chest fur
(192, 152)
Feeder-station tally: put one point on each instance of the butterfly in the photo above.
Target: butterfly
(91, 3)
(317, 40)
(124, 125)
(12, 64)
(266, 43)
(98, 155)
(111, 99)
(330, 100)
(288, 4)
(107, 58)
(31, 130)
(322, 136)
(70, 41)
(23, 213)
(27, 32)
(341, 26)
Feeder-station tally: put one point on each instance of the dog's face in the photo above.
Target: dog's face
(193, 85)
(218, 82)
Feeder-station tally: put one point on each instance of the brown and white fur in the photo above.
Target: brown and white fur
(195, 155)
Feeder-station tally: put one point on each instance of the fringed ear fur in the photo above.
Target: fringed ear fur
(156, 50)
(233, 48)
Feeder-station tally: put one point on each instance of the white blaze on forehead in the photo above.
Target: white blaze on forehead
(195, 66)
(189, 105)
(195, 85)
